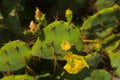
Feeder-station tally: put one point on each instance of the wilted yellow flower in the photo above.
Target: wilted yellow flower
(33, 27)
(38, 14)
(65, 45)
(75, 63)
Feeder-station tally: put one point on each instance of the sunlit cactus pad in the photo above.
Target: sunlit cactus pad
(18, 77)
(14, 56)
(60, 37)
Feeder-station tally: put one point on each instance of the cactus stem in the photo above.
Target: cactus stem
(88, 41)
(99, 15)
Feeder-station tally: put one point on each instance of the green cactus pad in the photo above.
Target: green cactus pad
(60, 37)
(102, 23)
(93, 59)
(99, 75)
(14, 56)
(111, 42)
(101, 4)
(18, 77)
(115, 61)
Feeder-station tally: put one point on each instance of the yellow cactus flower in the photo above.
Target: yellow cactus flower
(69, 15)
(68, 11)
(97, 46)
(65, 45)
(75, 63)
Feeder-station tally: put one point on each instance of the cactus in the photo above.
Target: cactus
(60, 37)
(93, 59)
(114, 59)
(103, 23)
(114, 55)
(99, 75)
(15, 55)
(111, 42)
(101, 4)
(18, 77)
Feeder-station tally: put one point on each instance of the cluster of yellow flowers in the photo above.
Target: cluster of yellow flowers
(75, 63)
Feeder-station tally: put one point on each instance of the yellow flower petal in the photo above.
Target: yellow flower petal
(65, 45)
(75, 63)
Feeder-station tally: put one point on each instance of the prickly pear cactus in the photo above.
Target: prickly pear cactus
(111, 42)
(99, 75)
(18, 77)
(101, 4)
(114, 59)
(103, 23)
(14, 56)
(60, 37)
(93, 59)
